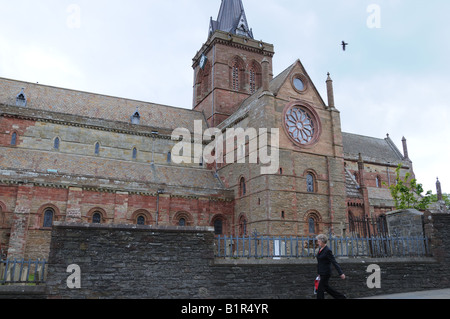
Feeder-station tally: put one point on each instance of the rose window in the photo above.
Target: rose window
(300, 125)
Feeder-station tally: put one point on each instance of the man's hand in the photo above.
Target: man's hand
(342, 276)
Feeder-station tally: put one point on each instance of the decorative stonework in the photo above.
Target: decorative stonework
(301, 124)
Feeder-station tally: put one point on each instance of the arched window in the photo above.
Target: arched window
(97, 148)
(311, 225)
(243, 226)
(218, 227)
(140, 220)
(14, 139)
(56, 143)
(169, 157)
(182, 222)
(96, 218)
(242, 187)
(134, 153)
(310, 188)
(48, 218)
(254, 77)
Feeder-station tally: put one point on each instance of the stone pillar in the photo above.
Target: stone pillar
(21, 218)
(362, 183)
(439, 190)
(73, 213)
(330, 92)
(121, 208)
(265, 75)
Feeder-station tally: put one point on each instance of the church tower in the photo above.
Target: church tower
(228, 68)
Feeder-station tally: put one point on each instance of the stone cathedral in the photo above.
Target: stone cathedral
(81, 157)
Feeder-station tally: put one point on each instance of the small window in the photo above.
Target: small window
(21, 99)
(378, 181)
(96, 218)
(141, 220)
(242, 186)
(56, 143)
(97, 148)
(218, 227)
(169, 157)
(182, 222)
(134, 153)
(136, 118)
(48, 218)
(311, 225)
(14, 139)
(310, 183)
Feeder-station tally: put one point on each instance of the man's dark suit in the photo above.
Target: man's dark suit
(325, 259)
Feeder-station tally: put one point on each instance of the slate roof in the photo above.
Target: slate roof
(98, 106)
(231, 18)
(372, 149)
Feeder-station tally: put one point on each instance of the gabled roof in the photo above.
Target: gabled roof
(372, 149)
(231, 19)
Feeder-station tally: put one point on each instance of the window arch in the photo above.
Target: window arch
(182, 219)
(313, 222)
(134, 155)
(236, 74)
(141, 217)
(203, 83)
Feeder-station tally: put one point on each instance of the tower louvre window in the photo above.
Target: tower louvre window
(236, 77)
(252, 81)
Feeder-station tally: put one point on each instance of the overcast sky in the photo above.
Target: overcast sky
(393, 78)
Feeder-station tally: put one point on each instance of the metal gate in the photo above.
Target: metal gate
(364, 227)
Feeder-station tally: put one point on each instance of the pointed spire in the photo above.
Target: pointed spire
(231, 19)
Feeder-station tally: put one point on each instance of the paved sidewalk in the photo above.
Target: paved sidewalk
(427, 294)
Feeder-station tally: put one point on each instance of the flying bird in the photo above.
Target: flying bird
(344, 45)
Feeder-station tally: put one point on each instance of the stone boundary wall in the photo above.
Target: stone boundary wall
(128, 261)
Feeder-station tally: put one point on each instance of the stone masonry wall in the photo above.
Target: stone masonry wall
(119, 261)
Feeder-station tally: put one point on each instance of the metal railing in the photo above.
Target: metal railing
(304, 247)
(22, 271)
